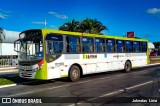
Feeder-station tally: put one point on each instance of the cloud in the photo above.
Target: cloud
(58, 15)
(153, 11)
(2, 16)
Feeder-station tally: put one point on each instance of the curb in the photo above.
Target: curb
(9, 85)
(8, 71)
(7, 68)
(153, 64)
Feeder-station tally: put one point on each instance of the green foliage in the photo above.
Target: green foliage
(69, 26)
(156, 44)
(4, 81)
(87, 26)
(3, 62)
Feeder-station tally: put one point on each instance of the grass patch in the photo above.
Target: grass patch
(12, 80)
(4, 81)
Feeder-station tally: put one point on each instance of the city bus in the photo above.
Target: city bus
(50, 54)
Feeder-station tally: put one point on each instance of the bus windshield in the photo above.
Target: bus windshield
(30, 45)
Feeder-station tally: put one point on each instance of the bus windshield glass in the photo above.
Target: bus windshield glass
(30, 45)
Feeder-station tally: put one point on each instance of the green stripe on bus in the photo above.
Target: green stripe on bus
(86, 57)
(83, 56)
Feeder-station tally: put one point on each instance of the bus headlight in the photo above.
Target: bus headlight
(36, 69)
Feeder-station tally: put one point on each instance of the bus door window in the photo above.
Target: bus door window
(110, 45)
(120, 46)
(129, 46)
(54, 43)
(54, 47)
(49, 47)
(57, 47)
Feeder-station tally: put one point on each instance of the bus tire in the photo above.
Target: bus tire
(74, 73)
(127, 66)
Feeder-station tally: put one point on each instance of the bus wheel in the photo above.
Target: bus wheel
(74, 73)
(127, 66)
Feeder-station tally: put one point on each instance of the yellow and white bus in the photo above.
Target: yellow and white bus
(49, 54)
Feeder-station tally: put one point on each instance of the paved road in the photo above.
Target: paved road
(94, 89)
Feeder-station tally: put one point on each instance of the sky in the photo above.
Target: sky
(119, 16)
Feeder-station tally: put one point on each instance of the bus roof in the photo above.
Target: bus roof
(89, 35)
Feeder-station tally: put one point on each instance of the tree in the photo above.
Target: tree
(2, 36)
(69, 26)
(156, 44)
(88, 26)
(98, 27)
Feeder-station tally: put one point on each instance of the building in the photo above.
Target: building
(7, 45)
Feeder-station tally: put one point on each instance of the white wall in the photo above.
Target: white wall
(7, 46)
(7, 49)
(10, 36)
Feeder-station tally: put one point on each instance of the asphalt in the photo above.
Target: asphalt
(140, 82)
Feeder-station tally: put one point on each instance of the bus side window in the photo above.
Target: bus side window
(87, 45)
(144, 46)
(136, 46)
(110, 45)
(129, 46)
(120, 46)
(99, 45)
(73, 44)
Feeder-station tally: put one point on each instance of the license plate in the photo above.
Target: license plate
(25, 73)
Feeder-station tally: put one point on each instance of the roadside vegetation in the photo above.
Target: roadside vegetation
(11, 80)
(4, 81)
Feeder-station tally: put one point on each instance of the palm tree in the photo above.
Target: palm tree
(98, 27)
(88, 26)
(69, 26)
(91, 26)
(2, 36)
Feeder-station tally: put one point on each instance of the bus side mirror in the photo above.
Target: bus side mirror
(16, 46)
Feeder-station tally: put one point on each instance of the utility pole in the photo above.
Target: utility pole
(45, 22)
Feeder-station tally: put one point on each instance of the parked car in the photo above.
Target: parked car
(155, 53)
